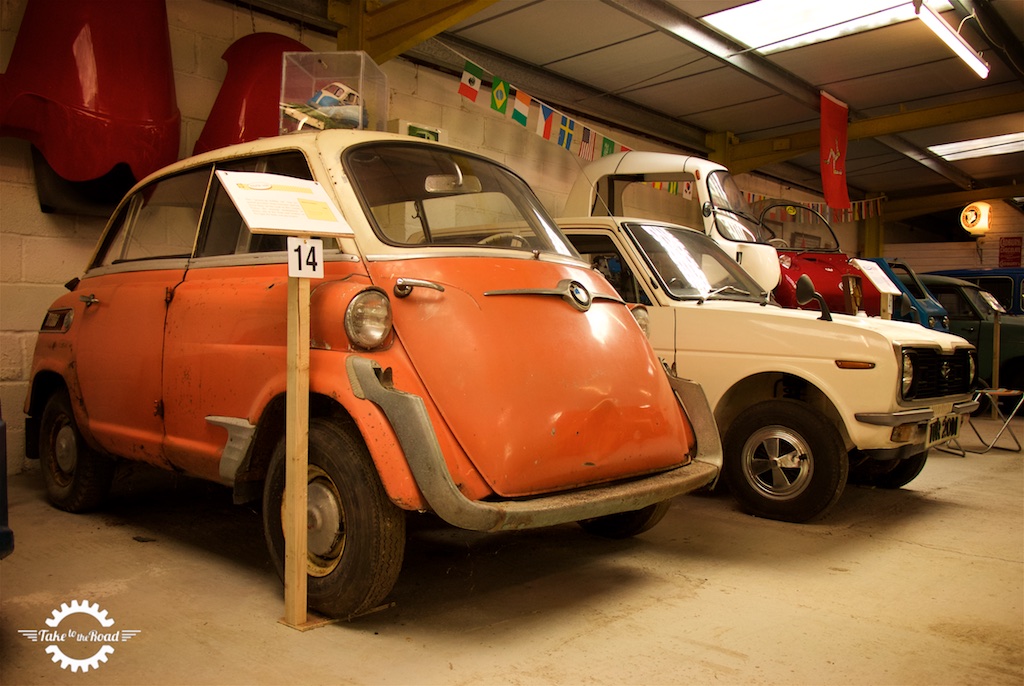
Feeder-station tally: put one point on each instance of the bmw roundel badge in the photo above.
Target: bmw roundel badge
(579, 295)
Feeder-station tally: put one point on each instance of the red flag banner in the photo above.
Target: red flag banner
(833, 152)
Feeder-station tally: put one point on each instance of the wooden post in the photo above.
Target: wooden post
(297, 457)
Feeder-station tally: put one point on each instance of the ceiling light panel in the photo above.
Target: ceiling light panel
(769, 26)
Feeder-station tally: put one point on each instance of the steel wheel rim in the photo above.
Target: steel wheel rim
(777, 462)
(65, 452)
(325, 521)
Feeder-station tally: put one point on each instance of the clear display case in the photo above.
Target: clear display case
(332, 90)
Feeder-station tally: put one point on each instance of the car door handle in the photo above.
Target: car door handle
(90, 299)
(403, 286)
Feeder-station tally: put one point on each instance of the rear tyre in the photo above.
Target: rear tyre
(785, 460)
(356, 535)
(77, 477)
(626, 524)
(888, 473)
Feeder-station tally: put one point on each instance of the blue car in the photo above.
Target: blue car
(927, 310)
(1006, 283)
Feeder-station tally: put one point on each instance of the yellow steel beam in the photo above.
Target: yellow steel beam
(745, 156)
(895, 210)
(386, 31)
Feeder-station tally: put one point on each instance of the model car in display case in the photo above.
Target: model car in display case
(804, 401)
(464, 360)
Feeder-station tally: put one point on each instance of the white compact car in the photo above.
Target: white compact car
(804, 400)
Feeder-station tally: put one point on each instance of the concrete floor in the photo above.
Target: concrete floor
(924, 585)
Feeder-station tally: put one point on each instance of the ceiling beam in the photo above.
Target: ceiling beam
(451, 52)
(896, 210)
(748, 155)
(670, 20)
(1004, 43)
(387, 30)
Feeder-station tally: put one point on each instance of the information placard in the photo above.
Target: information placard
(283, 205)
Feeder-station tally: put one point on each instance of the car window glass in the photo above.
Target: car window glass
(113, 242)
(670, 201)
(419, 195)
(907, 279)
(999, 286)
(225, 233)
(955, 303)
(604, 256)
(692, 266)
(167, 217)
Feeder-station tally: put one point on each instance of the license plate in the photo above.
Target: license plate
(942, 429)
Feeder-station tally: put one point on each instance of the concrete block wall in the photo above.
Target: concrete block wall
(40, 252)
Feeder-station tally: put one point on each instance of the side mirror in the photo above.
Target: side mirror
(805, 293)
(906, 305)
(706, 209)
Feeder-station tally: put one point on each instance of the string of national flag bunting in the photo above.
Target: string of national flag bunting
(563, 132)
(587, 147)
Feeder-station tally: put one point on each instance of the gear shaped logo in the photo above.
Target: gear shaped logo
(59, 637)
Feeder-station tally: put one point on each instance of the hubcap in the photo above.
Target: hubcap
(777, 462)
(325, 522)
(65, 449)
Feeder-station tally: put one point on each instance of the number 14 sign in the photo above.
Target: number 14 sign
(305, 258)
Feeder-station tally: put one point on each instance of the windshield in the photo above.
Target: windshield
(421, 195)
(733, 216)
(691, 266)
(790, 226)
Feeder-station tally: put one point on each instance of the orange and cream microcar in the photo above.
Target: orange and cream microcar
(464, 360)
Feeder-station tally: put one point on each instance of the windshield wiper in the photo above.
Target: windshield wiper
(730, 288)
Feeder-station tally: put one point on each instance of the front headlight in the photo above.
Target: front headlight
(931, 322)
(368, 319)
(972, 367)
(643, 318)
(908, 374)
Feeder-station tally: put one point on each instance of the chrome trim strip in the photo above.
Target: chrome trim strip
(896, 418)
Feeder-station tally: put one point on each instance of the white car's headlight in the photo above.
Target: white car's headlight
(643, 318)
(368, 319)
(908, 374)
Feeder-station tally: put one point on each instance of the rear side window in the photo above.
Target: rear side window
(224, 232)
(159, 221)
(999, 286)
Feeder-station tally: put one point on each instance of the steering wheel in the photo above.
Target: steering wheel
(514, 239)
(778, 243)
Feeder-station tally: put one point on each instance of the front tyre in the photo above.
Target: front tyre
(77, 477)
(785, 460)
(356, 536)
(888, 473)
(626, 524)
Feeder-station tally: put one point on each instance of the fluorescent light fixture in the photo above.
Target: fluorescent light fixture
(980, 147)
(953, 39)
(770, 26)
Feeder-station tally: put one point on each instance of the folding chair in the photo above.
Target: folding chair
(994, 395)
